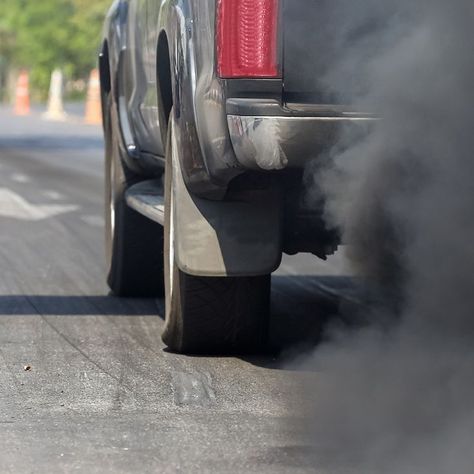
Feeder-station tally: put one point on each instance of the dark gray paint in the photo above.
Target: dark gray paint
(208, 159)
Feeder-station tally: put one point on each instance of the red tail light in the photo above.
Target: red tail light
(247, 38)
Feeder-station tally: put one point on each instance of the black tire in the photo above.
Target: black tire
(211, 315)
(134, 244)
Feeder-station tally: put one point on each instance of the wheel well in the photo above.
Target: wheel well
(165, 89)
(105, 81)
(104, 69)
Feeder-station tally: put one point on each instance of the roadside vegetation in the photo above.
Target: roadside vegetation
(41, 35)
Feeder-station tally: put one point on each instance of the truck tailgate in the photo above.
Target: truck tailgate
(326, 46)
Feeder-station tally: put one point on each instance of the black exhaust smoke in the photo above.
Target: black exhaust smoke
(400, 400)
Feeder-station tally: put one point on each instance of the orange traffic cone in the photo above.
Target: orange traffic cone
(93, 105)
(22, 94)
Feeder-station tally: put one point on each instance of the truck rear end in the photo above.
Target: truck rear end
(249, 95)
(287, 96)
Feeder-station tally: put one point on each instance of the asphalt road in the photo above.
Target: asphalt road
(101, 393)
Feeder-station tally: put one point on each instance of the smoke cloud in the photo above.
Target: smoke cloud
(397, 396)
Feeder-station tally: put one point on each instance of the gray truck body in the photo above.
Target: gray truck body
(162, 54)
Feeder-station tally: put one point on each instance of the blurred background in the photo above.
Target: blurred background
(41, 36)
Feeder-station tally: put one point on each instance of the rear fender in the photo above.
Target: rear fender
(198, 96)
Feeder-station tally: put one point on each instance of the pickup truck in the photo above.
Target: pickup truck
(211, 111)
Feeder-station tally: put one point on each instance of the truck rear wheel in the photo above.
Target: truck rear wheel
(134, 244)
(210, 314)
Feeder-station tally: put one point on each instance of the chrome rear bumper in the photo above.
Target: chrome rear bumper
(268, 135)
(277, 142)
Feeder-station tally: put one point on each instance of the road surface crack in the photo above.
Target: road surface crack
(80, 351)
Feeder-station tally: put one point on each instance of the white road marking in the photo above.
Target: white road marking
(20, 178)
(15, 206)
(94, 221)
(53, 195)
